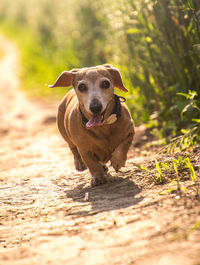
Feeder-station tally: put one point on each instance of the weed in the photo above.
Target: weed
(192, 175)
(191, 168)
(160, 177)
(189, 139)
(177, 177)
(195, 226)
(168, 171)
(157, 175)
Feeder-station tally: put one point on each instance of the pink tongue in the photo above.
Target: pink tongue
(94, 121)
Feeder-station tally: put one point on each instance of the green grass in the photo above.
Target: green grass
(168, 172)
(155, 45)
(1, 53)
(36, 64)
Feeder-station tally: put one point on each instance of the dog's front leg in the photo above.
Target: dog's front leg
(78, 163)
(119, 156)
(98, 171)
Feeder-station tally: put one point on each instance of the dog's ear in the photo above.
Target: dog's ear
(116, 77)
(65, 79)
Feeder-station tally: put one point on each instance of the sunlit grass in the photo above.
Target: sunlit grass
(37, 71)
(171, 172)
(1, 53)
(155, 44)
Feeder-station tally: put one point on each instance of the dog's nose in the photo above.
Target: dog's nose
(96, 107)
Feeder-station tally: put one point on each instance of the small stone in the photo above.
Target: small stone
(86, 198)
(158, 229)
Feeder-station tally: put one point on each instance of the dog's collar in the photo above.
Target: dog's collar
(115, 114)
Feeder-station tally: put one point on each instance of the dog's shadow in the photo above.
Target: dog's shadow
(111, 196)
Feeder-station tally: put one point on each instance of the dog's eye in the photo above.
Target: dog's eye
(105, 84)
(82, 87)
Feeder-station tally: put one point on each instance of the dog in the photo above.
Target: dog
(93, 121)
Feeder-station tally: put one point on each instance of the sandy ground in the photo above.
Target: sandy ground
(49, 214)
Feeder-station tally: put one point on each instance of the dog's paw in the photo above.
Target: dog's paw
(118, 158)
(98, 180)
(79, 165)
(102, 180)
(117, 164)
(105, 169)
(110, 178)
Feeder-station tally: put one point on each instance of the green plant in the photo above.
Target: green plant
(192, 109)
(191, 168)
(191, 134)
(155, 44)
(177, 176)
(195, 226)
(192, 175)
(170, 170)
(193, 101)
(156, 175)
(160, 177)
(185, 163)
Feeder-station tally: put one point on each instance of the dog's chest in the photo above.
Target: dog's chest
(104, 143)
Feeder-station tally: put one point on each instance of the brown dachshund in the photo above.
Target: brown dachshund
(93, 121)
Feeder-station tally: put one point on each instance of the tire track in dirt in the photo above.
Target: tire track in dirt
(50, 215)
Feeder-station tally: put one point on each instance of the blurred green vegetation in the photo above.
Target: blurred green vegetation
(155, 44)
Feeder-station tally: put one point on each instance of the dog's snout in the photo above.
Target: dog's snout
(96, 107)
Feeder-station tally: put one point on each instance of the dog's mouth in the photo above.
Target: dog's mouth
(99, 119)
(96, 120)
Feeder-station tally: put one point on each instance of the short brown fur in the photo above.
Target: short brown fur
(95, 147)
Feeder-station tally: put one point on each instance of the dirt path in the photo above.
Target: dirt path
(50, 215)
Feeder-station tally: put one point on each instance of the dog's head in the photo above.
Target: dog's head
(94, 87)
